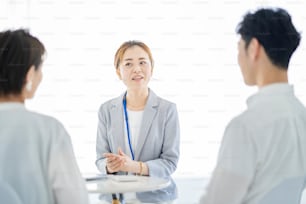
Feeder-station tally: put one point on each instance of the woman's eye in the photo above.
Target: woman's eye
(127, 64)
(143, 62)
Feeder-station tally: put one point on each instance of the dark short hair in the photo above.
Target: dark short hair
(19, 50)
(274, 30)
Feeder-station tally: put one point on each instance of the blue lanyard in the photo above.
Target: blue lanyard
(127, 126)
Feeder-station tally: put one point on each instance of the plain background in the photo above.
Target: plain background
(194, 45)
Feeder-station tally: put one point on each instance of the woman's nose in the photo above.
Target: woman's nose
(137, 69)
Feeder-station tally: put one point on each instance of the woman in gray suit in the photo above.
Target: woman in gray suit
(138, 132)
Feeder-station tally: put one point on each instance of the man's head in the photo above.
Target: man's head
(268, 39)
(274, 30)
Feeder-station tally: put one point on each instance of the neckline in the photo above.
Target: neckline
(11, 105)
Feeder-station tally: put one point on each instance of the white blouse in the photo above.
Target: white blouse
(134, 118)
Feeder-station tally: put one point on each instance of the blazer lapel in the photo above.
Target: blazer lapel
(117, 119)
(148, 117)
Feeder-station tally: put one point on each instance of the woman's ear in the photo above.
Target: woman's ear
(29, 79)
(30, 74)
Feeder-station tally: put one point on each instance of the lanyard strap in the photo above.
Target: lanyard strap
(127, 126)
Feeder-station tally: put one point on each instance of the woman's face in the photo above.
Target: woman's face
(135, 69)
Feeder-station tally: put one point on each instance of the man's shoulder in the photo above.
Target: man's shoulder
(244, 120)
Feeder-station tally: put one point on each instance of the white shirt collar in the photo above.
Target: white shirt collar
(276, 89)
(11, 106)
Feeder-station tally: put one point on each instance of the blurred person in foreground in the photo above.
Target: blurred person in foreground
(36, 155)
(266, 144)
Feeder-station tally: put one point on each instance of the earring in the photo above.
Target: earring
(28, 86)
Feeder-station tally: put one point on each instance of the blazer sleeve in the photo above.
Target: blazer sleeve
(102, 144)
(166, 164)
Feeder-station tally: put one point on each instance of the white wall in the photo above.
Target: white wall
(194, 47)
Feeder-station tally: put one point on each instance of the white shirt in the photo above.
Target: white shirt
(37, 159)
(134, 118)
(260, 148)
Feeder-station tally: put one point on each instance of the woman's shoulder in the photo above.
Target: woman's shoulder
(167, 102)
(161, 100)
(164, 105)
(111, 103)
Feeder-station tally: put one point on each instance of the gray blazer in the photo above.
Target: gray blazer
(158, 145)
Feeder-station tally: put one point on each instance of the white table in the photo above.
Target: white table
(125, 183)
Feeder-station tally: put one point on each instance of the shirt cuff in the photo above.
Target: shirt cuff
(101, 164)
